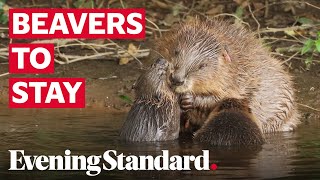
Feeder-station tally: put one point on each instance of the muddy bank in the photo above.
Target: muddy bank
(307, 84)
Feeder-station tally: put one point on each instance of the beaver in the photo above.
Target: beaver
(155, 114)
(213, 59)
(230, 123)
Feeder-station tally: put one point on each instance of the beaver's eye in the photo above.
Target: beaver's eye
(202, 66)
(176, 52)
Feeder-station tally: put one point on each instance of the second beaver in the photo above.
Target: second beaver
(231, 123)
(155, 114)
(212, 59)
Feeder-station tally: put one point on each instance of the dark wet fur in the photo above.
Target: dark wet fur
(155, 114)
(230, 124)
(144, 120)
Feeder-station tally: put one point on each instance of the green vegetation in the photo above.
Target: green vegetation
(84, 4)
(88, 3)
(3, 14)
(239, 12)
(125, 98)
(311, 46)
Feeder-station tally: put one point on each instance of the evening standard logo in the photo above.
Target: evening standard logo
(110, 160)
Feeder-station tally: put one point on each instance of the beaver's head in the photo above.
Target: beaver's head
(153, 85)
(195, 57)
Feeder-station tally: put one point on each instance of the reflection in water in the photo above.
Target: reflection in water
(89, 132)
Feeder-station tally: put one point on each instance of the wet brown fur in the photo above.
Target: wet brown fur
(196, 51)
(155, 114)
(231, 123)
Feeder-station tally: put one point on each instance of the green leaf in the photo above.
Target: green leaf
(3, 19)
(317, 43)
(78, 3)
(2, 3)
(88, 4)
(308, 60)
(307, 46)
(304, 20)
(126, 98)
(239, 12)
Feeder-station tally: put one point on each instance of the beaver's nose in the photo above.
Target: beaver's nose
(176, 79)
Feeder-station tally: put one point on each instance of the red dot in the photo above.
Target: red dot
(213, 167)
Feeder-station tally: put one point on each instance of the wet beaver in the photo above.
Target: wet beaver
(155, 114)
(230, 123)
(213, 60)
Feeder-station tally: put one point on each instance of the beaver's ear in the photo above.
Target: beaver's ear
(225, 54)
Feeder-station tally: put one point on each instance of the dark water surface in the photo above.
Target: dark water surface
(293, 155)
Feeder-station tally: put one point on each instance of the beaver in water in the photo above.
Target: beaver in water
(155, 114)
(230, 123)
(213, 60)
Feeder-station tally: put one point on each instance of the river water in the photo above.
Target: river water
(292, 155)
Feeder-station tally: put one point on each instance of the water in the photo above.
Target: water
(91, 132)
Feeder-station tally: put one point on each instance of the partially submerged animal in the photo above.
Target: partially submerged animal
(155, 114)
(213, 60)
(231, 123)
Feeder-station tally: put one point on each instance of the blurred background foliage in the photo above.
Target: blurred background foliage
(289, 28)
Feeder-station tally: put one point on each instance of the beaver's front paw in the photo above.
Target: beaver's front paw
(186, 101)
